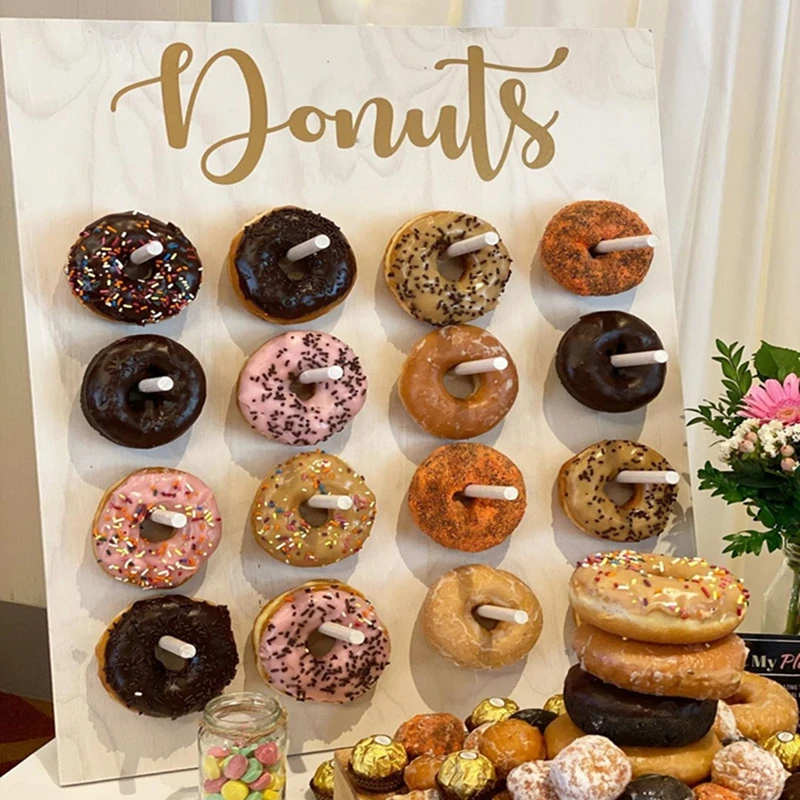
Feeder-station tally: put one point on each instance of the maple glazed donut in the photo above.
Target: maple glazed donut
(581, 492)
(278, 522)
(762, 708)
(452, 629)
(272, 408)
(123, 522)
(441, 510)
(424, 394)
(411, 260)
(282, 632)
(106, 280)
(570, 236)
(323, 279)
(704, 671)
(657, 598)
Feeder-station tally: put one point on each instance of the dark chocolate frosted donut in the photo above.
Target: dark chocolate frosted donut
(656, 787)
(583, 362)
(537, 717)
(104, 278)
(115, 407)
(323, 279)
(632, 719)
(130, 661)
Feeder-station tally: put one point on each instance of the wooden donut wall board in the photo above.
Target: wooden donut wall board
(591, 96)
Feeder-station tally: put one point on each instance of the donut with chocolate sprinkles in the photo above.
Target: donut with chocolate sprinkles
(411, 268)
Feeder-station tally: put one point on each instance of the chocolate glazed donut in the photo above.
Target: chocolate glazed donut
(114, 406)
(132, 672)
(266, 290)
(583, 362)
(631, 719)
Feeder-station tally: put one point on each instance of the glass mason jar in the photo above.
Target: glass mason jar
(242, 744)
(782, 599)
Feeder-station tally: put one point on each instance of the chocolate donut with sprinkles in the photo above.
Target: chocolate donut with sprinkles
(411, 268)
(286, 636)
(129, 267)
(277, 404)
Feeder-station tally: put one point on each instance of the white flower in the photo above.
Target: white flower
(733, 445)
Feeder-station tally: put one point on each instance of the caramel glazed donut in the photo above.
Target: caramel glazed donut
(581, 492)
(429, 403)
(656, 598)
(411, 270)
(452, 630)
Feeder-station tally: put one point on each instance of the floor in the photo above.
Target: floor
(25, 726)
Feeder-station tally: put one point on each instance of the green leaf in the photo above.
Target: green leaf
(776, 362)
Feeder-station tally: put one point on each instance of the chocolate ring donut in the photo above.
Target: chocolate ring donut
(266, 290)
(536, 717)
(115, 407)
(656, 787)
(131, 667)
(105, 279)
(629, 718)
(583, 362)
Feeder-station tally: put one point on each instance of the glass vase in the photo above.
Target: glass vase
(782, 600)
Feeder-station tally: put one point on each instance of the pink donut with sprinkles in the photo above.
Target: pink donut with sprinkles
(156, 527)
(286, 628)
(277, 404)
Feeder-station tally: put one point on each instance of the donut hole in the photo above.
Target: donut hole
(304, 391)
(170, 661)
(319, 645)
(486, 624)
(137, 400)
(451, 269)
(138, 272)
(460, 386)
(313, 516)
(154, 532)
(293, 270)
(620, 494)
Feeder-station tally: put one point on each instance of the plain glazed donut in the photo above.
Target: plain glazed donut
(583, 362)
(129, 658)
(451, 629)
(119, 529)
(410, 266)
(272, 408)
(105, 280)
(581, 492)
(280, 527)
(690, 764)
(281, 635)
(422, 389)
(254, 262)
(570, 236)
(470, 524)
(706, 671)
(657, 598)
(762, 708)
(114, 406)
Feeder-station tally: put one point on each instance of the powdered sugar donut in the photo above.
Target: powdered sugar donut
(123, 519)
(591, 768)
(531, 781)
(276, 406)
(750, 771)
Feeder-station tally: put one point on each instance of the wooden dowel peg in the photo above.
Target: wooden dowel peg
(648, 476)
(472, 244)
(342, 633)
(308, 247)
(177, 647)
(625, 243)
(480, 366)
(640, 359)
(153, 385)
(321, 374)
(337, 502)
(491, 492)
(147, 251)
(500, 614)
(174, 519)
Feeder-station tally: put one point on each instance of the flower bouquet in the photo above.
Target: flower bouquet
(758, 421)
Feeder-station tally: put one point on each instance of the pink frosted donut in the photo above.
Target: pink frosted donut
(286, 626)
(122, 523)
(273, 409)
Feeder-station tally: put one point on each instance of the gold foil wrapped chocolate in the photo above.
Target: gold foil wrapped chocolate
(556, 704)
(378, 757)
(466, 775)
(786, 746)
(495, 709)
(322, 782)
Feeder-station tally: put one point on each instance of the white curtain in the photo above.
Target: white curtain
(730, 119)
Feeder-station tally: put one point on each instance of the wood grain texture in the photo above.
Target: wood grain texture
(74, 161)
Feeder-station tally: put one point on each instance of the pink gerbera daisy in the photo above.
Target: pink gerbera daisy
(773, 400)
